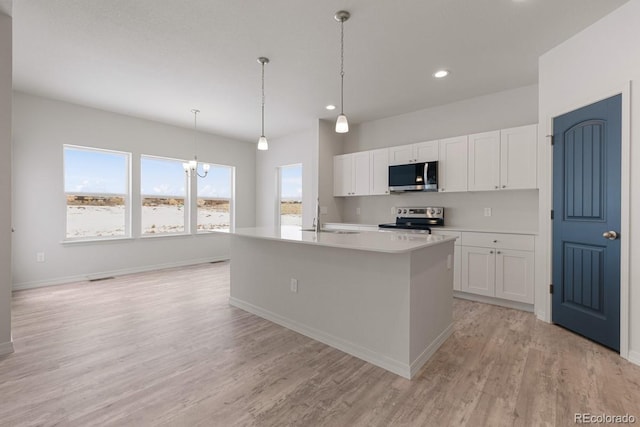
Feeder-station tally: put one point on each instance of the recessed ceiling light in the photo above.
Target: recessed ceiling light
(440, 74)
(330, 107)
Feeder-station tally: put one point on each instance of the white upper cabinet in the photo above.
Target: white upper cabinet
(484, 161)
(361, 174)
(379, 171)
(401, 155)
(518, 157)
(414, 153)
(452, 167)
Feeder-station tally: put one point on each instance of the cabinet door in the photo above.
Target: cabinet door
(342, 175)
(518, 157)
(478, 270)
(401, 155)
(452, 167)
(361, 172)
(484, 161)
(427, 151)
(514, 275)
(379, 183)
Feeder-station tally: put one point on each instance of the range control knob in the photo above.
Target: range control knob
(404, 211)
(399, 211)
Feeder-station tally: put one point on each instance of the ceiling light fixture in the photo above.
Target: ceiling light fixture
(262, 141)
(440, 74)
(330, 107)
(342, 125)
(192, 165)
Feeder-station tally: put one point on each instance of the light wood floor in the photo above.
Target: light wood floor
(165, 348)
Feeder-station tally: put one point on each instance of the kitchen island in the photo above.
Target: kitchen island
(384, 297)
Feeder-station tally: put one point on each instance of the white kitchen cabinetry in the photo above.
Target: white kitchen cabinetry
(379, 171)
(504, 159)
(452, 167)
(484, 161)
(457, 255)
(498, 265)
(518, 157)
(414, 153)
(351, 174)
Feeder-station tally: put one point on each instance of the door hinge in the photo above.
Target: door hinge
(551, 288)
(551, 138)
(551, 213)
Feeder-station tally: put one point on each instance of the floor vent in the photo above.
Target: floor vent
(99, 279)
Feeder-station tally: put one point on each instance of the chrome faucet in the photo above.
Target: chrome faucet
(316, 220)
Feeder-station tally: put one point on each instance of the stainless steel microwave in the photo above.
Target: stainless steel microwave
(413, 177)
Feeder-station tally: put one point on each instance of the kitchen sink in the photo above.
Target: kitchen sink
(333, 231)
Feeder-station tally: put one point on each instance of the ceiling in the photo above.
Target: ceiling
(158, 59)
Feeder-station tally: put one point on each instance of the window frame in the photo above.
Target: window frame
(279, 170)
(187, 199)
(127, 196)
(232, 198)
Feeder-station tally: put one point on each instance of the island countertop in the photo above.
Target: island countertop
(375, 241)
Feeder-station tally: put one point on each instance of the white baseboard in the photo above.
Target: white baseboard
(495, 301)
(6, 348)
(112, 273)
(373, 357)
(430, 350)
(634, 357)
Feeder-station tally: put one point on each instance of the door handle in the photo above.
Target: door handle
(611, 235)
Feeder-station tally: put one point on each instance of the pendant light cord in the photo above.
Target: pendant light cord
(262, 98)
(342, 66)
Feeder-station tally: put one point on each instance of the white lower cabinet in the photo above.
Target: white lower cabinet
(498, 265)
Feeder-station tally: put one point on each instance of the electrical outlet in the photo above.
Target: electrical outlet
(294, 285)
(487, 211)
(323, 210)
(39, 256)
(357, 211)
(449, 262)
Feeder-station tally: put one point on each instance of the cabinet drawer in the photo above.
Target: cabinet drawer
(520, 242)
(457, 234)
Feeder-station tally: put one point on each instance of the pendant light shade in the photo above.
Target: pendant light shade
(262, 141)
(342, 125)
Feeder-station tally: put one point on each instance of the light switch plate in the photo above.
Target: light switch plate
(487, 211)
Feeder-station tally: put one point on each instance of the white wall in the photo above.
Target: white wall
(330, 144)
(41, 127)
(292, 149)
(511, 210)
(597, 63)
(5, 182)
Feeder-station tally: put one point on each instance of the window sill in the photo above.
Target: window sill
(94, 241)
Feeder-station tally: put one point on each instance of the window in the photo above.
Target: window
(290, 196)
(215, 199)
(96, 186)
(163, 190)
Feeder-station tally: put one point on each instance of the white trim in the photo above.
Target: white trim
(6, 348)
(634, 357)
(625, 206)
(399, 368)
(112, 273)
(516, 305)
(430, 350)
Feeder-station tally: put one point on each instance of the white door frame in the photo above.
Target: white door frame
(546, 202)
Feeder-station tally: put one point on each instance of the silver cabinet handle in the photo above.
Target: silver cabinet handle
(611, 235)
(504, 186)
(495, 241)
(498, 252)
(490, 252)
(496, 187)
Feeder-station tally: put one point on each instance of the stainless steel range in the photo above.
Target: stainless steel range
(417, 218)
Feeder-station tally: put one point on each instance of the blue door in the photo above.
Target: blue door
(586, 221)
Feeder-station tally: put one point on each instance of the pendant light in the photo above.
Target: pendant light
(262, 141)
(192, 165)
(342, 125)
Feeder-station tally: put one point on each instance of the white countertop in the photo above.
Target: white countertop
(443, 228)
(375, 241)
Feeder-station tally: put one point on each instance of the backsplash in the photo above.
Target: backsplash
(515, 210)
